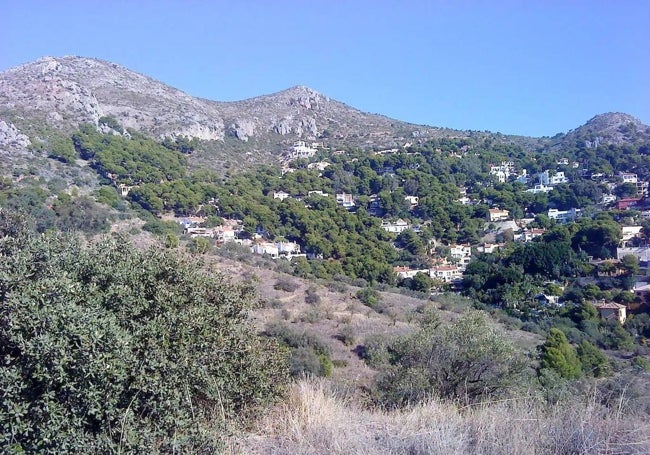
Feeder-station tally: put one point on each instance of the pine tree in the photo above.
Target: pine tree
(558, 355)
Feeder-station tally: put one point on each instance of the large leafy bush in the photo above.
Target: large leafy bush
(109, 349)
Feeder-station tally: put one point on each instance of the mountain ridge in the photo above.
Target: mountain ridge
(59, 93)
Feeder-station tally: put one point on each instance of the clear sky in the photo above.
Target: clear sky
(532, 67)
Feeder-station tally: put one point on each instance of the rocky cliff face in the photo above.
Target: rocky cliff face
(12, 142)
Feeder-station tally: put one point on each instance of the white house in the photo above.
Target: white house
(280, 195)
(321, 165)
(458, 251)
(288, 248)
(523, 177)
(498, 215)
(406, 272)
(628, 177)
(394, 226)
(539, 188)
(630, 232)
(225, 234)
(608, 199)
(346, 200)
(503, 171)
(489, 248)
(550, 180)
(446, 273)
(198, 232)
(612, 311)
(530, 234)
(546, 299)
(412, 200)
(462, 254)
(641, 185)
(465, 200)
(266, 248)
(564, 216)
(642, 253)
(302, 150)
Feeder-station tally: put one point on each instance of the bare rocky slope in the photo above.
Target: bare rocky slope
(58, 93)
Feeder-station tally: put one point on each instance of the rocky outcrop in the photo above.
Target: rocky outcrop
(10, 137)
(243, 128)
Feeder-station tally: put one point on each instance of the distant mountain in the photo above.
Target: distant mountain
(66, 91)
(57, 94)
(611, 128)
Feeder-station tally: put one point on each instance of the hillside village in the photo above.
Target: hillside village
(447, 261)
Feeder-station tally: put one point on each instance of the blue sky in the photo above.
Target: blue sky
(518, 67)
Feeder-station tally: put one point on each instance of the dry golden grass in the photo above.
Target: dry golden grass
(313, 420)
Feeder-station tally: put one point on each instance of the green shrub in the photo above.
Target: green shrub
(234, 250)
(305, 361)
(108, 349)
(375, 351)
(309, 354)
(295, 337)
(641, 363)
(199, 245)
(272, 303)
(468, 360)
(616, 337)
(108, 195)
(337, 286)
(369, 297)
(347, 335)
(62, 149)
(311, 296)
(80, 214)
(160, 227)
(312, 315)
(111, 122)
(594, 361)
(285, 284)
(171, 240)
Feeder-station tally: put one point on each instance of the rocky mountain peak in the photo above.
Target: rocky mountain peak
(610, 128)
(609, 120)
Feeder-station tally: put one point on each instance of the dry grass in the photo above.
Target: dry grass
(313, 420)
